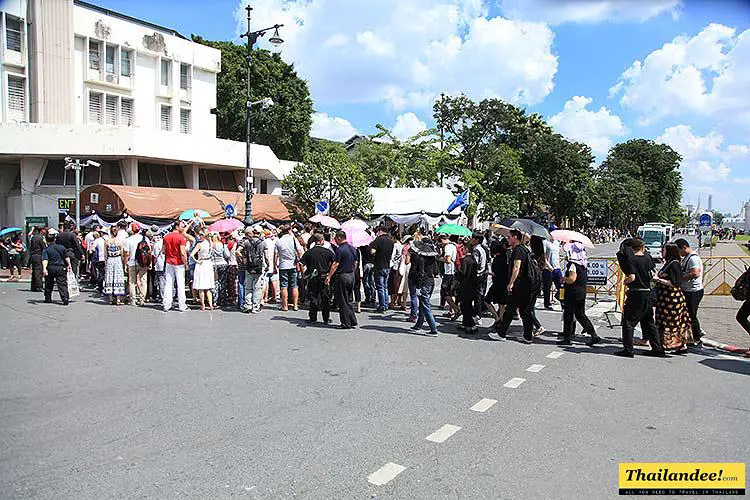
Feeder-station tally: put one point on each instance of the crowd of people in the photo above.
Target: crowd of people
(482, 275)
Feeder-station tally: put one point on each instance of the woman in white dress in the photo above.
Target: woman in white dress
(203, 277)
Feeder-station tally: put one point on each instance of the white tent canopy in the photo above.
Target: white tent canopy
(402, 201)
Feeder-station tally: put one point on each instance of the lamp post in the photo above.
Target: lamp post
(75, 164)
(252, 37)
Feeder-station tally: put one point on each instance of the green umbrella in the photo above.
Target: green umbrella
(454, 229)
(188, 214)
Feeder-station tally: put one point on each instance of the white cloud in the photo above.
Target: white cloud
(588, 11)
(333, 128)
(708, 74)
(408, 125)
(594, 128)
(406, 53)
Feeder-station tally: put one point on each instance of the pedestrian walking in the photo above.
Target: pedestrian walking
(424, 267)
(204, 278)
(99, 256)
(481, 257)
(114, 271)
(448, 259)
(175, 253)
(271, 281)
(639, 308)
(69, 239)
(574, 299)
(232, 268)
(498, 291)
(382, 249)
(251, 257)
(467, 287)
(672, 316)
(37, 244)
(317, 261)
(343, 270)
(288, 252)
(692, 285)
(55, 267)
(551, 273)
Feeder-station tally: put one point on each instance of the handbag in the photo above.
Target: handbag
(73, 288)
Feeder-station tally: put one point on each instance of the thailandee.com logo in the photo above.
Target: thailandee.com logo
(682, 478)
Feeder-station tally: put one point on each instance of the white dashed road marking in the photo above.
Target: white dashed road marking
(514, 382)
(535, 368)
(554, 355)
(442, 434)
(384, 474)
(483, 405)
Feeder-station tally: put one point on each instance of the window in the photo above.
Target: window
(126, 112)
(220, 180)
(264, 186)
(111, 109)
(95, 107)
(125, 60)
(94, 55)
(185, 76)
(166, 69)
(110, 62)
(13, 33)
(16, 99)
(110, 172)
(164, 176)
(54, 174)
(184, 121)
(166, 118)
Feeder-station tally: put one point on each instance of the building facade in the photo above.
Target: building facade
(77, 80)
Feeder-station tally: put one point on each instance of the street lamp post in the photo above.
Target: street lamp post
(75, 164)
(252, 37)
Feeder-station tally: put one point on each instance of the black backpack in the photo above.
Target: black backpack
(741, 289)
(532, 272)
(253, 256)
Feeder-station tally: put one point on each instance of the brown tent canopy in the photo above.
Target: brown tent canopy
(166, 203)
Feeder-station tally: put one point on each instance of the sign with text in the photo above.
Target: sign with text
(706, 220)
(65, 204)
(598, 271)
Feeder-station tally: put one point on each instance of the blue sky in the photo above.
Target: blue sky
(599, 71)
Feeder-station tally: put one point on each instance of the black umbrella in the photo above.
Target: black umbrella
(527, 226)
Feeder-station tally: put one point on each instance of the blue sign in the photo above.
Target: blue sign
(705, 220)
(321, 207)
(229, 210)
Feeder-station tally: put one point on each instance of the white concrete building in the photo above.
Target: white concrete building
(82, 81)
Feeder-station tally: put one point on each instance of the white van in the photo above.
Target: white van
(655, 235)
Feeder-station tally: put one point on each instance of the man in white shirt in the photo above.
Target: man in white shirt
(99, 258)
(270, 271)
(288, 252)
(449, 272)
(137, 274)
(692, 284)
(553, 274)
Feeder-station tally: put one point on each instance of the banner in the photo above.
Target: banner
(682, 478)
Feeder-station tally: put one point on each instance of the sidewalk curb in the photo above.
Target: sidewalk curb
(724, 347)
(6, 280)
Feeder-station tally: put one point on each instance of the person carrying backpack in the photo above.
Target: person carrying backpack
(138, 255)
(250, 256)
(741, 291)
(523, 287)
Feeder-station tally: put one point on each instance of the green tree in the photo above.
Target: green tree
(496, 184)
(285, 126)
(328, 173)
(718, 217)
(620, 199)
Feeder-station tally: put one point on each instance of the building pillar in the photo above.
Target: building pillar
(130, 171)
(31, 171)
(192, 180)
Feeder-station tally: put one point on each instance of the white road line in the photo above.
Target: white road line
(483, 405)
(442, 434)
(514, 382)
(554, 355)
(535, 368)
(384, 474)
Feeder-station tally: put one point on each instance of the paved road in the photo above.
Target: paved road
(111, 402)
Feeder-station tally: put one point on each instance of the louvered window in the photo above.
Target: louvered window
(166, 118)
(126, 112)
(16, 99)
(185, 76)
(185, 121)
(13, 33)
(95, 107)
(111, 110)
(94, 55)
(125, 56)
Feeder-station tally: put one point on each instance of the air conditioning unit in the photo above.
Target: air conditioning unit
(110, 78)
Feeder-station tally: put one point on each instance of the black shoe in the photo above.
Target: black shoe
(624, 353)
(431, 334)
(594, 340)
(655, 354)
(65, 303)
(327, 321)
(47, 301)
(565, 342)
(415, 327)
(527, 340)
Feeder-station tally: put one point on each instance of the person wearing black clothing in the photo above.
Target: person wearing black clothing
(498, 292)
(69, 240)
(639, 307)
(423, 258)
(520, 292)
(36, 247)
(574, 303)
(317, 261)
(467, 287)
(55, 267)
(382, 250)
(342, 271)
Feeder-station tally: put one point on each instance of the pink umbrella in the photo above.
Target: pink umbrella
(354, 224)
(225, 226)
(567, 236)
(358, 237)
(326, 221)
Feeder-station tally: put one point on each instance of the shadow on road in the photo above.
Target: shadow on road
(728, 365)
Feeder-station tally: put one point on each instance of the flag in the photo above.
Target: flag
(462, 200)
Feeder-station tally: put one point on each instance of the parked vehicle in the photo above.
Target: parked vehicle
(655, 235)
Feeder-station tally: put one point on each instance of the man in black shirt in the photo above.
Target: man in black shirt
(382, 250)
(343, 268)
(317, 262)
(55, 267)
(574, 302)
(36, 247)
(69, 240)
(638, 308)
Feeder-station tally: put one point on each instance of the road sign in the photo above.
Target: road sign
(321, 207)
(598, 271)
(229, 210)
(706, 220)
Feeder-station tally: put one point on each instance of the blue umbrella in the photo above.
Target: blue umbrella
(10, 230)
(188, 214)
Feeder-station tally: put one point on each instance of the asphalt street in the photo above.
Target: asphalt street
(121, 402)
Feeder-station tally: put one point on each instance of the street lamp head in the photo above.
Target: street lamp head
(68, 159)
(92, 163)
(267, 103)
(276, 39)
